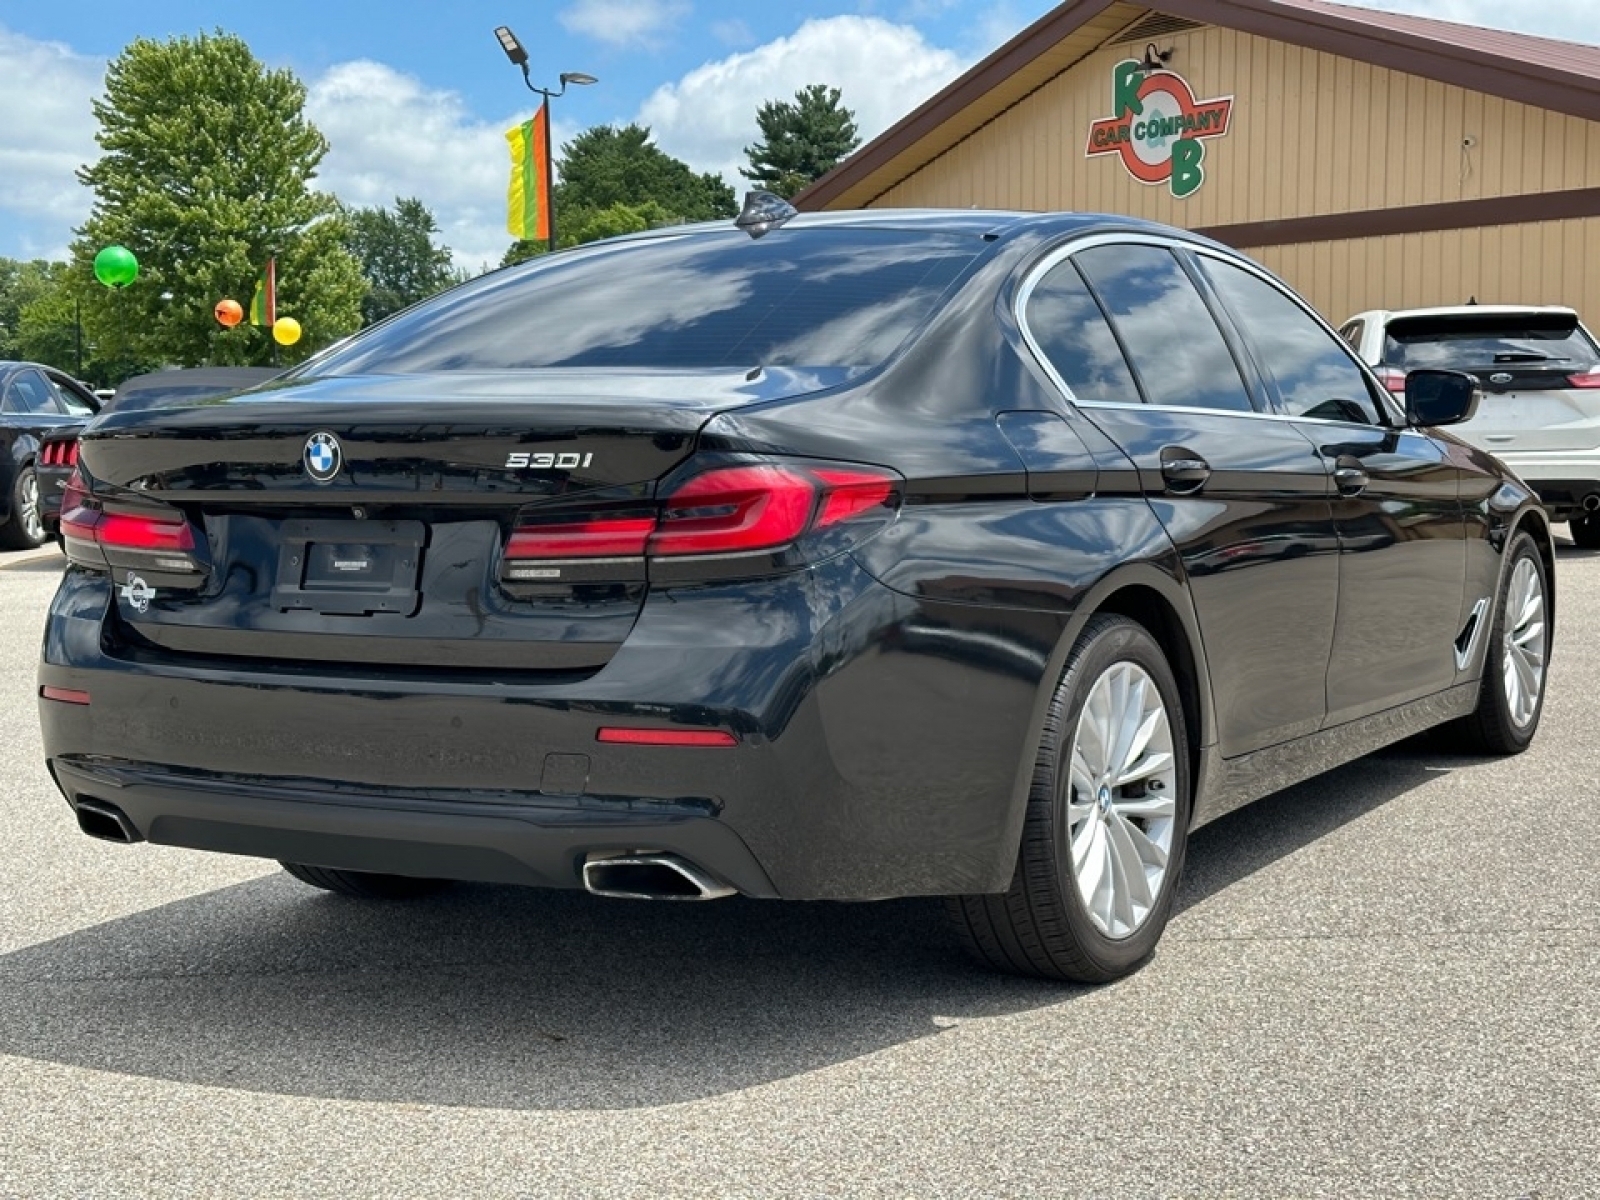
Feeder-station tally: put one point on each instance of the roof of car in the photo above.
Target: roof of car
(1463, 310)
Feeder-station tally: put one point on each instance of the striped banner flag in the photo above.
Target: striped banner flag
(264, 304)
(528, 202)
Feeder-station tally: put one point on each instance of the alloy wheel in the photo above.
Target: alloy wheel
(1121, 799)
(32, 523)
(1524, 642)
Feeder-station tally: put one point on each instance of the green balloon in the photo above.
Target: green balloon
(115, 266)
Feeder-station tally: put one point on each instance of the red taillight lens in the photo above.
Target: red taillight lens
(754, 509)
(59, 454)
(736, 510)
(163, 542)
(626, 736)
(143, 533)
(850, 493)
(1589, 379)
(1394, 380)
(622, 537)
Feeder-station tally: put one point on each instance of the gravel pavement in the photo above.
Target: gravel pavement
(1381, 983)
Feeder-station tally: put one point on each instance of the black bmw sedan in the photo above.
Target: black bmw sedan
(969, 554)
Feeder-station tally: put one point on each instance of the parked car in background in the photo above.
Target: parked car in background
(58, 450)
(844, 556)
(1540, 372)
(35, 401)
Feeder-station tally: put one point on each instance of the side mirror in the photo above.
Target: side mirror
(1441, 397)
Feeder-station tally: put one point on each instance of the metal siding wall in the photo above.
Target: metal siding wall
(1544, 263)
(1311, 134)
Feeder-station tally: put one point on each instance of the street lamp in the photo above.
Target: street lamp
(519, 57)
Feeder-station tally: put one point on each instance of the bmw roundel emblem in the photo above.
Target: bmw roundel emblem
(323, 457)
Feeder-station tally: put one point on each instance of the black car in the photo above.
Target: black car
(968, 554)
(58, 448)
(36, 401)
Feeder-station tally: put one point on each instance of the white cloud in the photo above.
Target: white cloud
(623, 22)
(708, 117)
(45, 89)
(392, 136)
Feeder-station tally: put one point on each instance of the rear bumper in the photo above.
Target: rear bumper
(484, 836)
(872, 761)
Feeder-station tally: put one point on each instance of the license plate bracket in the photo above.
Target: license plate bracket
(349, 568)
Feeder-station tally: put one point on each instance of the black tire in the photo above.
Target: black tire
(364, 885)
(1585, 531)
(1493, 728)
(23, 531)
(1042, 926)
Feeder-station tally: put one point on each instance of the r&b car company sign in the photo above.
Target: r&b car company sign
(1158, 127)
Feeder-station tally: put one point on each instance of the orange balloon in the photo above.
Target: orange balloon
(228, 313)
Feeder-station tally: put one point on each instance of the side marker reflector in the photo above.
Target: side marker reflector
(666, 737)
(65, 695)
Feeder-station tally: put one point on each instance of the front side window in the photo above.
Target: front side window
(1071, 331)
(1176, 349)
(1352, 333)
(1313, 370)
(795, 298)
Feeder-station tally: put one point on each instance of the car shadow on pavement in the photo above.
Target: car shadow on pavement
(510, 998)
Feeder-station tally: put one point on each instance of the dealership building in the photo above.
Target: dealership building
(1373, 160)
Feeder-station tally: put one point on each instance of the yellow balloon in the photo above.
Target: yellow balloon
(286, 332)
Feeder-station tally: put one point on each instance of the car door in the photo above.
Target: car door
(1397, 503)
(1241, 494)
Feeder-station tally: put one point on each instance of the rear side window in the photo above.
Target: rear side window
(1070, 329)
(30, 392)
(1175, 347)
(1313, 371)
(794, 298)
(1471, 340)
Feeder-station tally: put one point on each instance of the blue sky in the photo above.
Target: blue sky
(413, 96)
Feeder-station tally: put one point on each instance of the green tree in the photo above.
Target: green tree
(800, 141)
(21, 283)
(522, 250)
(397, 256)
(206, 172)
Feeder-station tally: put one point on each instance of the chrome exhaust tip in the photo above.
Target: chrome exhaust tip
(650, 877)
(1591, 502)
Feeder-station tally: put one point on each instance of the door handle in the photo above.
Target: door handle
(1351, 481)
(1185, 474)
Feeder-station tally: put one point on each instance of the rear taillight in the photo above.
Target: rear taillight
(1392, 379)
(158, 543)
(1588, 379)
(725, 519)
(59, 454)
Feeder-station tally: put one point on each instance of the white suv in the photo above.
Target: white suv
(1540, 371)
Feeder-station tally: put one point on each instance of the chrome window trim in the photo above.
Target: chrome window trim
(1072, 246)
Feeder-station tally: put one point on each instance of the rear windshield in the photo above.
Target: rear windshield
(1472, 341)
(796, 297)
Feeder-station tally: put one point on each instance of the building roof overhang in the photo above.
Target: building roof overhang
(1541, 72)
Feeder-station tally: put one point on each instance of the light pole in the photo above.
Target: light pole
(519, 57)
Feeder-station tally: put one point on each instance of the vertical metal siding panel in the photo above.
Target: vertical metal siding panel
(1452, 114)
(1470, 173)
(1432, 132)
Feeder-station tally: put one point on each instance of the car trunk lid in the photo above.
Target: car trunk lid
(395, 557)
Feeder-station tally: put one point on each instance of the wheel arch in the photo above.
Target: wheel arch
(1152, 594)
